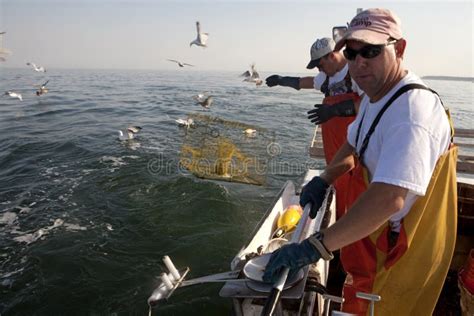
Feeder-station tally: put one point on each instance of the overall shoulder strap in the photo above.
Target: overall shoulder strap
(325, 87)
(348, 81)
(399, 92)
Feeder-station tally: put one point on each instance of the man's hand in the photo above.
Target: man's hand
(273, 80)
(323, 112)
(277, 80)
(314, 192)
(293, 256)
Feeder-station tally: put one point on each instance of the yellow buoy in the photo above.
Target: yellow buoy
(288, 220)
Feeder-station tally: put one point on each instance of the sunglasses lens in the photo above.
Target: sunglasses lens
(370, 51)
(350, 54)
(367, 52)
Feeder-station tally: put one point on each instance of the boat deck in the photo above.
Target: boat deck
(249, 298)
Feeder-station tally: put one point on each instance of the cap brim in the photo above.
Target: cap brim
(364, 36)
(312, 64)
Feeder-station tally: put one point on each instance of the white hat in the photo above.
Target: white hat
(320, 48)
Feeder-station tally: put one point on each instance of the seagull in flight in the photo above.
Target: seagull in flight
(203, 99)
(36, 68)
(42, 89)
(14, 95)
(252, 75)
(201, 37)
(200, 96)
(129, 133)
(206, 103)
(180, 64)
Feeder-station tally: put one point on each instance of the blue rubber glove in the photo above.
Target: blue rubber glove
(293, 256)
(314, 192)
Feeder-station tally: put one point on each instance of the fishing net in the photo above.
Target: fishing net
(219, 149)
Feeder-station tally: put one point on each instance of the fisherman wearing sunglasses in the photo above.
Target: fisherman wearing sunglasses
(398, 237)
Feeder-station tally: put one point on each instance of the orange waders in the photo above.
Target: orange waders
(334, 134)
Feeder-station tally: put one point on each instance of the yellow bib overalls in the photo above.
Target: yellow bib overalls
(407, 273)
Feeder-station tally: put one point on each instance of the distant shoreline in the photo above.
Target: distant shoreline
(452, 78)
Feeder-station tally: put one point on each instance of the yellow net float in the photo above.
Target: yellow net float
(288, 220)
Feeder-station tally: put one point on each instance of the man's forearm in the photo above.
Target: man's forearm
(307, 83)
(371, 210)
(342, 162)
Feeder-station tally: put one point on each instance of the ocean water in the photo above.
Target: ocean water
(85, 219)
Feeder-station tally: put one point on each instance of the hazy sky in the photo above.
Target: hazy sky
(277, 35)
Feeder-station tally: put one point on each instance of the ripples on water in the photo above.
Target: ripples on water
(86, 219)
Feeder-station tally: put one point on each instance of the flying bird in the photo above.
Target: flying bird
(36, 68)
(14, 95)
(206, 103)
(180, 64)
(201, 39)
(42, 89)
(129, 133)
(252, 75)
(200, 96)
(203, 99)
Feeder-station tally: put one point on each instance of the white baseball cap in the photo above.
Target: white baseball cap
(319, 49)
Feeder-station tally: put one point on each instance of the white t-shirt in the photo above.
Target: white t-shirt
(407, 142)
(337, 83)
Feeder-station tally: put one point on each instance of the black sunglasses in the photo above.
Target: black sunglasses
(367, 52)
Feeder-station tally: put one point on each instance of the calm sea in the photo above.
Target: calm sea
(84, 218)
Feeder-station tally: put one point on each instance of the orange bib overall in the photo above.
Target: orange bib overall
(334, 134)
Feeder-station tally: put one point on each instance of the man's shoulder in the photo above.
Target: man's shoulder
(341, 74)
(319, 80)
(414, 94)
(419, 108)
(409, 78)
(418, 95)
(416, 104)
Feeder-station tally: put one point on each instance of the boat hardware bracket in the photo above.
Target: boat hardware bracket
(173, 279)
